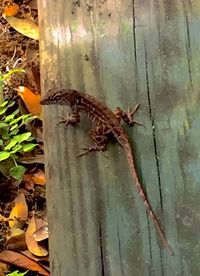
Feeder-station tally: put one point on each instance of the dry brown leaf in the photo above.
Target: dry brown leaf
(14, 231)
(33, 246)
(28, 182)
(15, 239)
(39, 178)
(35, 258)
(16, 242)
(3, 268)
(19, 212)
(11, 10)
(42, 233)
(24, 26)
(20, 260)
(31, 100)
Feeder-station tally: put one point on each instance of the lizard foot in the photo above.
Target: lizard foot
(70, 119)
(130, 114)
(127, 117)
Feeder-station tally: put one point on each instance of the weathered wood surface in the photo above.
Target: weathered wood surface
(124, 52)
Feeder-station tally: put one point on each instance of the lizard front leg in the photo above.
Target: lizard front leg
(99, 135)
(70, 119)
(127, 117)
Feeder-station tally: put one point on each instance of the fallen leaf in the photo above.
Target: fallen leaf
(14, 231)
(28, 182)
(42, 229)
(33, 246)
(3, 268)
(19, 212)
(24, 26)
(11, 10)
(35, 258)
(39, 177)
(20, 260)
(31, 100)
(16, 242)
(42, 233)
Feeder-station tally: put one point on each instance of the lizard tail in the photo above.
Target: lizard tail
(143, 196)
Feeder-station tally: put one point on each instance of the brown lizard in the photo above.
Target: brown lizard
(106, 123)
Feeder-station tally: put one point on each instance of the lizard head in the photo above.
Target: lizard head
(62, 97)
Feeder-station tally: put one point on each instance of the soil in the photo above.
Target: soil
(19, 51)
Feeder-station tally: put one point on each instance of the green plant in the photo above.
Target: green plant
(6, 76)
(17, 273)
(13, 141)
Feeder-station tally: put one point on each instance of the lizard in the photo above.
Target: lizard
(106, 123)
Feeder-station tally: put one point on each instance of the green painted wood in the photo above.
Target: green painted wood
(124, 52)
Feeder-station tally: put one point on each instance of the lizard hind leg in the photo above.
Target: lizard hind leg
(127, 117)
(100, 138)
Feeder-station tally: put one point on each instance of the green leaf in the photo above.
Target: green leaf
(15, 149)
(3, 110)
(22, 137)
(17, 172)
(14, 132)
(14, 127)
(16, 120)
(11, 144)
(11, 116)
(6, 136)
(3, 125)
(4, 155)
(28, 147)
(1, 142)
(24, 116)
(28, 119)
(17, 273)
(30, 139)
(4, 104)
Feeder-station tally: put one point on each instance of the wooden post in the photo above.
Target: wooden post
(123, 52)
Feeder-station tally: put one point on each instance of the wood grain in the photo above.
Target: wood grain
(124, 52)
